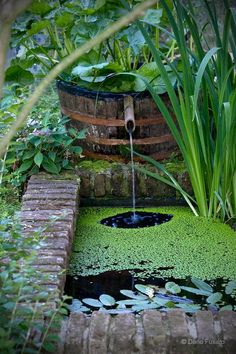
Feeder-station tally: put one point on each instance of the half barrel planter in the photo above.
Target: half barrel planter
(102, 113)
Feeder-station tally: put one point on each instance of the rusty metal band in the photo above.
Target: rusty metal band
(111, 122)
(141, 141)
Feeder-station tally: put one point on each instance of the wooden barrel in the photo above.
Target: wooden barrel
(102, 113)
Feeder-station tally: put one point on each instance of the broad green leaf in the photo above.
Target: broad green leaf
(201, 284)
(28, 154)
(189, 307)
(25, 166)
(40, 7)
(132, 295)
(214, 298)
(38, 27)
(65, 20)
(15, 73)
(107, 300)
(92, 302)
(52, 155)
(152, 16)
(38, 159)
(172, 287)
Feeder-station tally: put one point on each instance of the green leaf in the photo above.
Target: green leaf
(189, 307)
(196, 291)
(92, 302)
(201, 285)
(49, 347)
(214, 298)
(15, 73)
(172, 287)
(230, 287)
(76, 149)
(38, 159)
(52, 155)
(65, 20)
(132, 295)
(28, 154)
(25, 166)
(132, 302)
(38, 27)
(152, 16)
(50, 166)
(107, 300)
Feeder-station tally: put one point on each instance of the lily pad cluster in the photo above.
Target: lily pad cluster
(164, 299)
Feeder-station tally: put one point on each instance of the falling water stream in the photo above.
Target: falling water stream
(134, 217)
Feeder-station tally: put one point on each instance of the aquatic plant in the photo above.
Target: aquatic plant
(164, 299)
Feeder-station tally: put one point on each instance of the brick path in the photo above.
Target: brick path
(152, 332)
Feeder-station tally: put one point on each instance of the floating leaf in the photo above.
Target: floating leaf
(132, 295)
(145, 307)
(189, 307)
(227, 308)
(118, 311)
(92, 302)
(132, 302)
(200, 284)
(196, 291)
(145, 289)
(172, 287)
(214, 298)
(230, 287)
(107, 300)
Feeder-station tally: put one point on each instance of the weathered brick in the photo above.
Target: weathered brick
(121, 332)
(179, 335)
(228, 324)
(155, 337)
(75, 343)
(99, 185)
(98, 333)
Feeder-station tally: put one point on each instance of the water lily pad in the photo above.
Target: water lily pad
(118, 311)
(145, 289)
(92, 302)
(172, 287)
(132, 302)
(138, 308)
(189, 307)
(227, 308)
(107, 300)
(132, 295)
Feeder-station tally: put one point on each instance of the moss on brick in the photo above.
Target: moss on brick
(186, 245)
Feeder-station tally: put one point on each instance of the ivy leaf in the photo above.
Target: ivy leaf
(38, 159)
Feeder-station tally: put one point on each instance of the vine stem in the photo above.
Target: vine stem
(53, 74)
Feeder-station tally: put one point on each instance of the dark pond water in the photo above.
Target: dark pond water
(113, 281)
(137, 219)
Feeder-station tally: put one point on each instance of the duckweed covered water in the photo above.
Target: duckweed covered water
(184, 246)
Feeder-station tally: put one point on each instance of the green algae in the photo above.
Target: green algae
(95, 166)
(185, 246)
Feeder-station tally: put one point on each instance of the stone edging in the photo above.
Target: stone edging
(51, 197)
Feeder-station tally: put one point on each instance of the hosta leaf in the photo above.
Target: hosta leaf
(214, 298)
(92, 302)
(172, 287)
(38, 159)
(132, 295)
(50, 166)
(230, 287)
(25, 166)
(201, 285)
(107, 300)
(196, 291)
